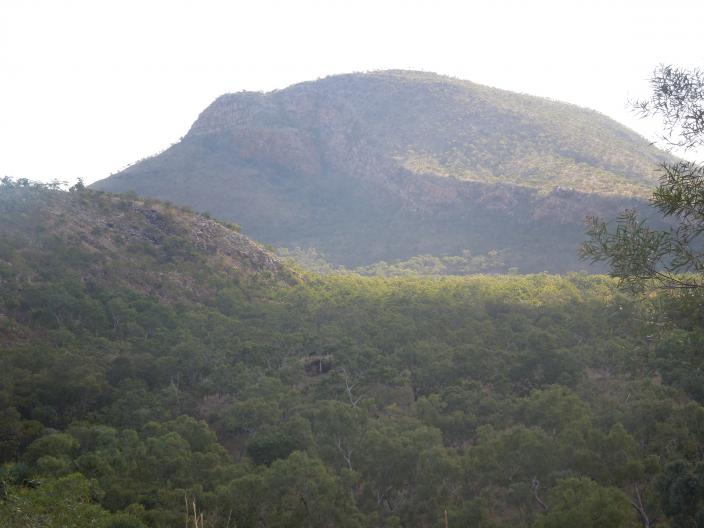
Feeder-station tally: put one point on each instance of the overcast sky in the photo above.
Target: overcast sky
(87, 87)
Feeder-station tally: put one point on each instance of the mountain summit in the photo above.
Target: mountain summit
(392, 164)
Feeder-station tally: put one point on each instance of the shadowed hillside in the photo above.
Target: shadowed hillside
(394, 164)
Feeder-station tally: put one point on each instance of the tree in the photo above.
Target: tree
(637, 253)
(56, 503)
(301, 491)
(681, 489)
(582, 503)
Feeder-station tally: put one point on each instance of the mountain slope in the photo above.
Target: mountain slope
(388, 165)
(103, 239)
(156, 365)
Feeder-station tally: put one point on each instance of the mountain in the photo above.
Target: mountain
(394, 164)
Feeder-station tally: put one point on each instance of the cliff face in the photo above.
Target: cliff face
(387, 165)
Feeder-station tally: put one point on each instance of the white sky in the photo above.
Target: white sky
(87, 87)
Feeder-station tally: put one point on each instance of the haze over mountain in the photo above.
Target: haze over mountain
(393, 164)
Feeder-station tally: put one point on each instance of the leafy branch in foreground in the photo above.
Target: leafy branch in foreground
(678, 99)
(637, 253)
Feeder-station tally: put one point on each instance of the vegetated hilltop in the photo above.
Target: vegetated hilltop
(395, 164)
(113, 241)
(154, 362)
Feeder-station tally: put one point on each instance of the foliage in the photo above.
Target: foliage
(59, 502)
(146, 375)
(464, 264)
(678, 98)
(581, 503)
(637, 252)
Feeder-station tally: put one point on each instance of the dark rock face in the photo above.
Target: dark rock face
(384, 166)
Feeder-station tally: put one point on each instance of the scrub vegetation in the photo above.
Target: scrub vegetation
(160, 369)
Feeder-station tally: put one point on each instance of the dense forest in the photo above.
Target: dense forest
(159, 369)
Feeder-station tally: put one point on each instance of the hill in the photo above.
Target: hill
(390, 165)
(114, 241)
(156, 367)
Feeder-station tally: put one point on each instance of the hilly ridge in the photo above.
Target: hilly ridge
(155, 361)
(394, 164)
(112, 241)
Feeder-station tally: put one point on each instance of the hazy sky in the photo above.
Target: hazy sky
(87, 87)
